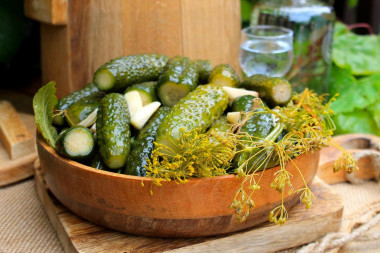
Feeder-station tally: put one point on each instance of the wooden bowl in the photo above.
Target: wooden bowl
(197, 208)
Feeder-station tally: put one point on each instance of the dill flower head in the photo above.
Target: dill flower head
(196, 155)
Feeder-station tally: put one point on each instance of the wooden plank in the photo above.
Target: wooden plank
(56, 58)
(95, 37)
(99, 30)
(217, 33)
(52, 12)
(12, 171)
(302, 227)
(78, 235)
(152, 27)
(14, 135)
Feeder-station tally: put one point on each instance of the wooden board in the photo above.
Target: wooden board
(303, 226)
(16, 170)
(365, 148)
(47, 11)
(12, 171)
(14, 134)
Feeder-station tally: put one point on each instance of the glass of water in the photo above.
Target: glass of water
(266, 49)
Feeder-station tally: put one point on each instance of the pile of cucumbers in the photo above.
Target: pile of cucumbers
(134, 101)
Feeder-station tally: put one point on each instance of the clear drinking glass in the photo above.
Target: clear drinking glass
(266, 49)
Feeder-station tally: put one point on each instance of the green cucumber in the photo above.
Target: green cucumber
(224, 75)
(259, 125)
(96, 162)
(122, 72)
(221, 126)
(254, 156)
(113, 130)
(70, 99)
(76, 143)
(204, 69)
(178, 79)
(143, 145)
(275, 91)
(81, 109)
(244, 104)
(198, 109)
(146, 90)
(253, 81)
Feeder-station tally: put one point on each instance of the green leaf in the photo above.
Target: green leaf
(339, 29)
(340, 80)
(358, 121)
(43, 104)
(353, 94)
(359, 53)
(370, 89)
(373, 80)
(374, 109)
(343, 83)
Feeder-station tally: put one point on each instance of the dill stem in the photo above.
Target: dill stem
(336, 145)
(299, 171)
(304, 94)
(68, 118)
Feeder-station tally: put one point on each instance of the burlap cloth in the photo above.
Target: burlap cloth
(24, 226)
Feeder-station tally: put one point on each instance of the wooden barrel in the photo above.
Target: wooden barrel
(79, 36)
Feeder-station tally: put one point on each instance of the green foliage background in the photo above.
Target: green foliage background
(355, 75)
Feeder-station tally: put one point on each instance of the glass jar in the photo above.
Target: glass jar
(312, 22)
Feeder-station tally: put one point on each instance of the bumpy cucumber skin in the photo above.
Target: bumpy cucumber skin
(113, 130)
(198, 109)
(181, 72)
(70, 99)
(80, 110)
(128, 70)
(225, 72)
(143, 145)
(221, 126)
(204, 68)
(149, 88)
(243, 104)
(266, 87)
(250, 83)
(259, 125)
(62, 148)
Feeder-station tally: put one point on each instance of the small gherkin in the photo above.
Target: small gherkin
(113, 130)
(122, 72)
(198, 109)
